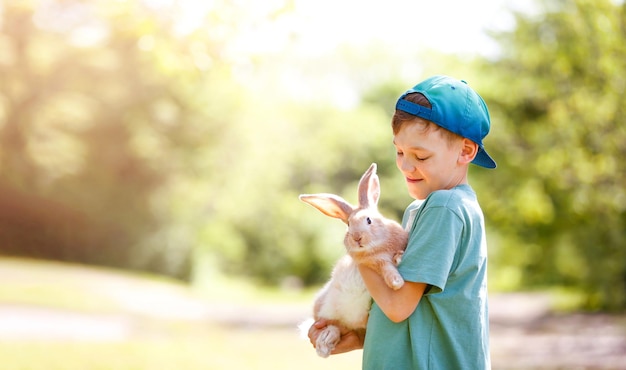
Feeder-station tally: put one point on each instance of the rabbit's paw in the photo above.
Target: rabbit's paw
(397, 257)
(396, 283)
(393, 279)
(327, 340)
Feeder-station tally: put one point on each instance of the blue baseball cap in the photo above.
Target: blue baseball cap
(455, 107)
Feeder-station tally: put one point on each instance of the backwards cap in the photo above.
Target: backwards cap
(455, 107)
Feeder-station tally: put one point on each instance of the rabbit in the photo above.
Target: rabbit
(371, 240)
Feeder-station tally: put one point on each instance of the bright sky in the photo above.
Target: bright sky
(447, 25)
(310, 30)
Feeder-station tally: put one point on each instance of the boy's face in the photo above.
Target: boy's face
(428, 160)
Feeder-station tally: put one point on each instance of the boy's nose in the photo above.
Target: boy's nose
(405, 165)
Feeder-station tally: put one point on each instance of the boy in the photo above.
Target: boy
(439, 318)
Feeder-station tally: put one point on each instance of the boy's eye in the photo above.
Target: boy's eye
(415, 156)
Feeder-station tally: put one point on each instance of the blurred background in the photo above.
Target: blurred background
(152, 153)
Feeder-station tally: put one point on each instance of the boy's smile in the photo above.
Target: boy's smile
(427, 160)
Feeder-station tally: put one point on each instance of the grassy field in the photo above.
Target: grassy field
(217, 349)
(122, 321)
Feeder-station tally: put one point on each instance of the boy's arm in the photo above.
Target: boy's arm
(397, 305)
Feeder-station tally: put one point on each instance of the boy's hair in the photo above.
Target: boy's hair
(400, 118)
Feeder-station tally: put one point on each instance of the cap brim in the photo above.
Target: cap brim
(483, 159)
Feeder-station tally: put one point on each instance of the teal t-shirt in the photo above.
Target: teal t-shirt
(449, 329)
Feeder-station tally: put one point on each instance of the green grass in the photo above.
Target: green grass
(220, 348)
(155, 342)
(69, 286)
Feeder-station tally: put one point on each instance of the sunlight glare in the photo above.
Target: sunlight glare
(455, 26)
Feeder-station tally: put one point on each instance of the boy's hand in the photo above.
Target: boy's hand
(350, 339)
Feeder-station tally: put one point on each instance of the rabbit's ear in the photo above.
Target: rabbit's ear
(330, 205)
(369, 188)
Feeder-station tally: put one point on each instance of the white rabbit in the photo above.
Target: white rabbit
(370, 240)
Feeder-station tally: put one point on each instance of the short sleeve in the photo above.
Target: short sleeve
(432, 246)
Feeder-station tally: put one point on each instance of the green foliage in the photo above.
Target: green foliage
(96, 131)
(557, 97)
(258, 226)
(125, 141)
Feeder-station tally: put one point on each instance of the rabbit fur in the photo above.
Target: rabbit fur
(371, 240)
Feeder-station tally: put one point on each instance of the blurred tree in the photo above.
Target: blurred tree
(104, 112)
(127, 141)
(258, 227)
(558, 100)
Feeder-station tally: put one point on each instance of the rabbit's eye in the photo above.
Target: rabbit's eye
(369, 221)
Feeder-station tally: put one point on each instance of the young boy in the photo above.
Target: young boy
(439, 318)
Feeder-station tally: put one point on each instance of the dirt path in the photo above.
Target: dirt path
(526, 335)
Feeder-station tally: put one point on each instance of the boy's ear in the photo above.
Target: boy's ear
(469, 149)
